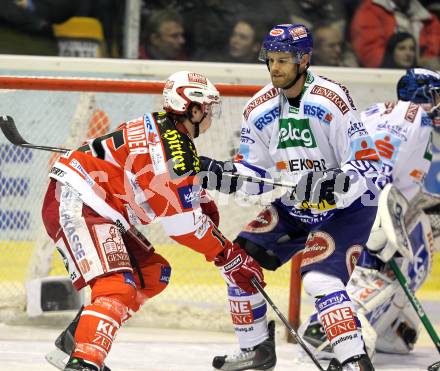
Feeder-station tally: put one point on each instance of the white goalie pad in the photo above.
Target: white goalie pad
(390, 224)
(429, 203)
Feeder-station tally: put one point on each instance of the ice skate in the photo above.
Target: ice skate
(64, 345)
(78, 364)
(358, 363)
(261, 357)
(314, 335)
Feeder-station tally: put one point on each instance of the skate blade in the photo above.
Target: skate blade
(57, 358)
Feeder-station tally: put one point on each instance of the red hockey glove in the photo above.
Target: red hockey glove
(237, 268)
(209, 207)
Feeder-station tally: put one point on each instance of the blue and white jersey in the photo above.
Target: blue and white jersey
(322, 131)
(402, 135)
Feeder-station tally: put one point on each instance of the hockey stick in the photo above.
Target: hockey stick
(9, 129)
(11, 133)
(331, 367)
(417, 306)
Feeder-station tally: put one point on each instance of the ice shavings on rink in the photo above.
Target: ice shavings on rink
(23, 349)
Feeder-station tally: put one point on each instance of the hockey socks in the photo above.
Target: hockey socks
(342, 327)
(248, 312)
(97, 329)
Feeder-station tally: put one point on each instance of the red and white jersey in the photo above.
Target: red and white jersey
(402, 134)
(317, 131)
(144, 170)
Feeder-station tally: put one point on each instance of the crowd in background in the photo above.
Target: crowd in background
(349, 33)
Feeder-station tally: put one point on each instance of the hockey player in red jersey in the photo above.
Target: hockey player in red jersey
(146, 169)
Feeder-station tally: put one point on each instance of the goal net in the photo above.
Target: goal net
(65, 113)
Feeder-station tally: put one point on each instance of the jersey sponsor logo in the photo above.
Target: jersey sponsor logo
(331, 96)
(332, 300)
(387, 146)
(181, 161)
(356, 128)
(197, 78)
(244, 138)
(189, 196)
(394, 129)
(265, 221)
(57, 172)
(319, 246)
(258, 101)
(112, 246)
(295, 133)
(165, 274)
(241, 312)
(318, 111)
(137, 136)
(299, 164)
(345, 90)
(77, 166)
(267, 118)
(363, 149)
(411, 112)
(352, 257)
(338, 322)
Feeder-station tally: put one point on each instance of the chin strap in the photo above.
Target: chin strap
(196, 125)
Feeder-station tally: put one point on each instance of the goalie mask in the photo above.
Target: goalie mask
(183, 88)
(422, 86)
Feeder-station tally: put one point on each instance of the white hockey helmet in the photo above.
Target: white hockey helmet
(183, 88)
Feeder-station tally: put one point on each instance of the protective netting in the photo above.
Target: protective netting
(196, 296)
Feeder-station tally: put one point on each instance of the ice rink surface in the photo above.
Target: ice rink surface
(146, 349)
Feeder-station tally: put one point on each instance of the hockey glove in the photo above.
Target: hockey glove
(320, 189)
(209, 207)
(237, 268)
(211, 175)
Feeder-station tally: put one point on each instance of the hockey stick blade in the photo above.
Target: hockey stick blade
(334, 364)
(7, 125)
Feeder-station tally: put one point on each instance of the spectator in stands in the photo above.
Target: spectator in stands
(330, 49)
(208, 23)
(163, 36)
(375, 21)
(313, 12)
(26, 26)
(400, 51)
(245, 41)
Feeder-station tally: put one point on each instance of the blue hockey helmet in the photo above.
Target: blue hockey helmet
(419, 85)
(290, 38)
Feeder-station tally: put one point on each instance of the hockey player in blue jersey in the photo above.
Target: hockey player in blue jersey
(304, 129)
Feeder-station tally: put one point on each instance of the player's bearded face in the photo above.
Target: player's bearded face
(282, 68)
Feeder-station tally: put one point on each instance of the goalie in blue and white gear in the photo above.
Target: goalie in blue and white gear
(402, 132)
